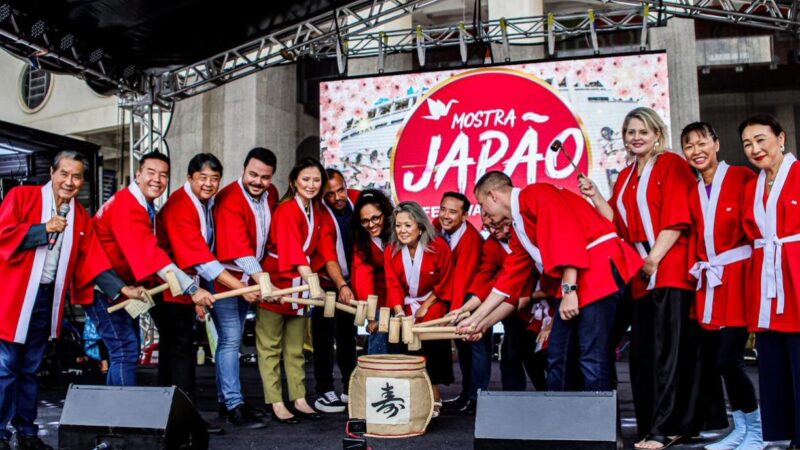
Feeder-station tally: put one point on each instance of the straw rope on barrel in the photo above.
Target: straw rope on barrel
(393, 394)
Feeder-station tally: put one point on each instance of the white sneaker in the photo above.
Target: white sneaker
(329, 403)
(344, 398)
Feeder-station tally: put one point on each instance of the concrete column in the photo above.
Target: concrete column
(258, 110)
(678, 39)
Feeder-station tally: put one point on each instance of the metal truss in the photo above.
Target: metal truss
(149, 123)
(327, 31)
(776, 15)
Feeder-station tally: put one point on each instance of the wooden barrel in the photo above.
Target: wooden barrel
(393, 394)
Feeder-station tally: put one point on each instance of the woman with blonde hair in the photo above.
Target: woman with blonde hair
(649, 207)
(418, 266)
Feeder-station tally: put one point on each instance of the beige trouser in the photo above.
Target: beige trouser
(276, 334)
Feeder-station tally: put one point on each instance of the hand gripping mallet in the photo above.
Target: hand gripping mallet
(172, 284)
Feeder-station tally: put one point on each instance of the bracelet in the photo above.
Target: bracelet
(342, 287)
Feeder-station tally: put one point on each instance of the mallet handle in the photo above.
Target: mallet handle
(237, 292)
(302, 301)
(121, 305)
(426, 330)
(346, 308)
(442, 320)
(438, 336)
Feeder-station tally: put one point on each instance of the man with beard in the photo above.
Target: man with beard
(339, 203)
(242, 215)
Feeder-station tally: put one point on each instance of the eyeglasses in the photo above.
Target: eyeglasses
(374, 220)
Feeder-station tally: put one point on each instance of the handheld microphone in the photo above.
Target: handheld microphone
(53, 237)
(558, 146)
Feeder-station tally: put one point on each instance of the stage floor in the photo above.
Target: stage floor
(446, 432)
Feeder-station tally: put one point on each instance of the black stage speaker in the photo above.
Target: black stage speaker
(546, 420)
(127, 418)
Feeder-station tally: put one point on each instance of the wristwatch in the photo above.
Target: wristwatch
(192, 289)
(566, 288)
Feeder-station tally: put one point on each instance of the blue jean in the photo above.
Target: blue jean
(475, 361)
(229, 315)
(121, 336)
(19, 389)
(591, 328)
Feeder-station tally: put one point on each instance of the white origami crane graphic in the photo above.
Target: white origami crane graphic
(438, 109)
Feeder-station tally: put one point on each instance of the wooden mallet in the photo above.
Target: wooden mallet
(395, 327)
(383, 321)
(267, 290)
(172, 284)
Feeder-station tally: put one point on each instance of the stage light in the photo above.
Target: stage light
(95, 56)
(67, 42)
(5, 12)
(37, 29)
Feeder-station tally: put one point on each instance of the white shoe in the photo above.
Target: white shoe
(329, 402)
(344, 398)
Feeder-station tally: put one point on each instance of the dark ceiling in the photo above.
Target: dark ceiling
(151, 35)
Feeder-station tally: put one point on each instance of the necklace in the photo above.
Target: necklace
(770, 182)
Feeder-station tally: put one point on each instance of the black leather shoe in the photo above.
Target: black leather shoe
(290, 421)
(255, 412)
(4, 445)
(468, 409)
(455, 403)
(240, 417)
(310, 416)
(31, 443)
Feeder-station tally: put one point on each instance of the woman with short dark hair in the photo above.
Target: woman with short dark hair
(772, 223)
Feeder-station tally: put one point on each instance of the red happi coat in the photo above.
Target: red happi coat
(668, 178)
(235, 227)
(368, 275)
(720, 301)
(182, 232)
(128, 237)
(772, 223)
(433, 275)
(336, 235)
(80, 262)
(555, 228)
(493, 257)
(294, 241)
(465, 244)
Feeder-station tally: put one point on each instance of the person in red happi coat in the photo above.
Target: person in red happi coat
(419, 272)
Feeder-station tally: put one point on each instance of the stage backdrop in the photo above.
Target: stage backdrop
(418, 135)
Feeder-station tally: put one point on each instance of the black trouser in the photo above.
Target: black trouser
(323, 333)
(779, 384)
(176, 351)
(730, 362)
(518, 355)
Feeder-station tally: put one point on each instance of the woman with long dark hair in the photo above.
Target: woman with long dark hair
(418, 265)
(372, 227)
(296, 237)
(772, 224)
(722, 253)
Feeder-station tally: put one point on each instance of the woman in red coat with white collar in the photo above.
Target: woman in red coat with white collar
(722, 254)
(296, 238)
(372, 226)
(772, 224)
(418, 266)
